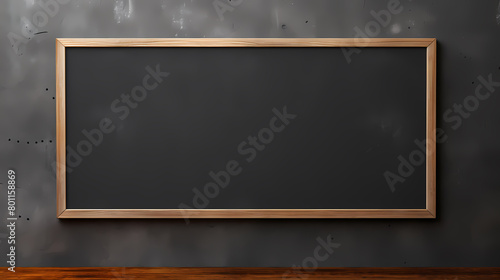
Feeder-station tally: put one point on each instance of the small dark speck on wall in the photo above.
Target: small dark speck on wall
(27, 142)
(46, 89)
(53, 98)
(283, 26)
(36, 142)
(28, 219)
(9, 139)
(307, 21)
(17, 141)
(409, 27)
(50, 141)
(41, 141)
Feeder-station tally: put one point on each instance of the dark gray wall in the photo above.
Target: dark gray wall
(468, 225)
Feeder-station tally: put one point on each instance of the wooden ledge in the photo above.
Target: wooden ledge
(248, 273)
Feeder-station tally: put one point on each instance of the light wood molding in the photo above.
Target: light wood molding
(429, 212)
(61, 126)
(246, 213)
(431, 128)
(246, 42)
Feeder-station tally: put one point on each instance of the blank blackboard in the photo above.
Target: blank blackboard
(246, 128)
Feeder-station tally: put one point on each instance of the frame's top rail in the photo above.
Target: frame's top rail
(246, 42)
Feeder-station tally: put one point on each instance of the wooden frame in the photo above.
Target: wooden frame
(429, 212)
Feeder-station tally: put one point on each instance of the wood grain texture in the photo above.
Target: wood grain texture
(431, 128)
(246, 42)
(251, 273)
(246, 213)
(60, 127)
(429, 212)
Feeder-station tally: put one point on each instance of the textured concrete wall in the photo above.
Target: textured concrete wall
(465, 234)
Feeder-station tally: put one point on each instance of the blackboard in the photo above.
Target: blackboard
(246, 128)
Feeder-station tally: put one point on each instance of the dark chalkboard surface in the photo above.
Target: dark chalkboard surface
(244, 128)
